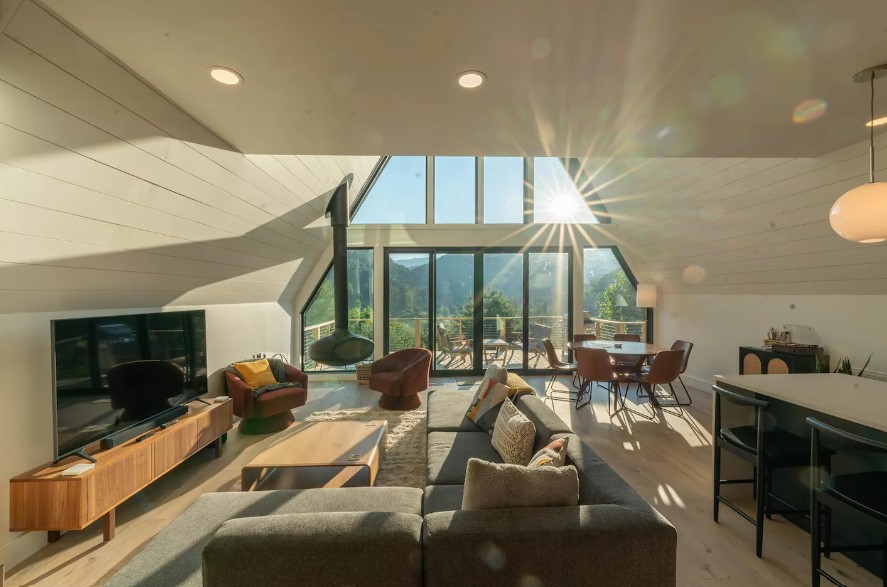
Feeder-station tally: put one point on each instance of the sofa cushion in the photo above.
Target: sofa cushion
(336, 549)
(598, 482)
(516, 546)
(513, 435)
(173, 557)
(443, 498)
(546, 421)
(446, 411)
(448, 454)
(500, 485)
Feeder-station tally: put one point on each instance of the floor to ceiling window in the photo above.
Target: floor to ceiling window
(407, 297)
(478, 306)
(609, 305)
(549, 305)
(454, 310)
(318, 315)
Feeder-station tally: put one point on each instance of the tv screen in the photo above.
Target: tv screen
(85, 349)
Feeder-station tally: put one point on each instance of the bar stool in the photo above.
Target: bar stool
(864, 493)
(765, 450)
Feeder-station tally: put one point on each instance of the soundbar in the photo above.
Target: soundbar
(126, 434)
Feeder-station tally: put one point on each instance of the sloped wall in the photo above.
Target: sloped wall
(112, 199)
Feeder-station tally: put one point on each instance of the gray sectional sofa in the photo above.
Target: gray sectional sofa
(404, 536)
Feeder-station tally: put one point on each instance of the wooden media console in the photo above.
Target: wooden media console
(44, 500)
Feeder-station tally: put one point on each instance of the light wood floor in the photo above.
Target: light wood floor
(668, 461)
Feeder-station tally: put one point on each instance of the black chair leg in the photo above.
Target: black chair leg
(768, 489)
(814, 539)
(686, 391)
(759, 514)
(717, 481)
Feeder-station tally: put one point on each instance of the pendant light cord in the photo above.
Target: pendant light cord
(872, 131)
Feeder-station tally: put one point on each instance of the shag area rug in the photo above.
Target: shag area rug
(404, 462)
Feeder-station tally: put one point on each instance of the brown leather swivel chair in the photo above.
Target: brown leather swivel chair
(401, 377)
(263, 411)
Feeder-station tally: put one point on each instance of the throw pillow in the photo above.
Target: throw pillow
(518, 385)
(487, 399)
(489, 411)
(553, 455)
(492, 485)
(493, 373)
(513, 435)
(256, 373)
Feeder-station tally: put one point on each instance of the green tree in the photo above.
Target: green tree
(617, 301)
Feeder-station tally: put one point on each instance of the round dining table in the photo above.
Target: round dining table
(625, 349)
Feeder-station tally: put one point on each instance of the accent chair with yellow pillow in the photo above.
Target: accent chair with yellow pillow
(265, 391)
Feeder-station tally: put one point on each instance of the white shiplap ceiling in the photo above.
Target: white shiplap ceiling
(690, 78)
(733, 225)
(111, 196)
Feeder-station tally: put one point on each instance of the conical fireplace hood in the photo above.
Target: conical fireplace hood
(341, 347)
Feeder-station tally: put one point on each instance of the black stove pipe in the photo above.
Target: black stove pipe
(341, 347)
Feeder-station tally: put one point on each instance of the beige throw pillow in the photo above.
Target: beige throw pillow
(513, 435)
(553, 455)
(492, 485)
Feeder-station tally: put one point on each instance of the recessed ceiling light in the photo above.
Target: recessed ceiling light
(471, 79)
(877, 121)
(226, 76)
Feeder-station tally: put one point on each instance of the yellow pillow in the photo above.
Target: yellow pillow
(517, 385)
(256, 373)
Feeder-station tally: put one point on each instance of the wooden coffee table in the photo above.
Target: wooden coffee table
(319, 454)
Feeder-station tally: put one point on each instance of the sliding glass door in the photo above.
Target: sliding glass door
(478, 307)
(503, 316)
(549, 306)
(407, 298)
(454, 311)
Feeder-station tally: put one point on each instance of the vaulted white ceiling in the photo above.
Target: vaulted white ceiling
(636, 78)
(113, 197)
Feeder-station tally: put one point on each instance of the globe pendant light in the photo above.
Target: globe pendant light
(860, 215)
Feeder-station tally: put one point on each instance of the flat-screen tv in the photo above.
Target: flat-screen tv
(85, 349)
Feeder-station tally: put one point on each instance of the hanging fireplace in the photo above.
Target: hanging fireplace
(342, 347)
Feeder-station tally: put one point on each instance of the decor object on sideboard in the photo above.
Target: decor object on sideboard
(342, 347)
(860, 215)
(400, 377)
(846, 368)
(266, 408)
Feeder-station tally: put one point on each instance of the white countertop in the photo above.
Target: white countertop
(851, 398)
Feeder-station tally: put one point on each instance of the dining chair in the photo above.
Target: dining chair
(558, 367)
(763, 446)
(860, 494)
(685, 347)
(663, 371)
(629, 363)
(579, 338)
(594, 365)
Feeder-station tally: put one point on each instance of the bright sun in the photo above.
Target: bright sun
(564, 208)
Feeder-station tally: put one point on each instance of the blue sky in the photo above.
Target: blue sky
(398, 196)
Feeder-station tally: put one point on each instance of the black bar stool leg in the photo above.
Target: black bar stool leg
(759, 515)
(717, 480)
(768, 490)
(814, 539)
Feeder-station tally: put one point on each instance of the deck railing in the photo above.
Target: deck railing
(415, 331)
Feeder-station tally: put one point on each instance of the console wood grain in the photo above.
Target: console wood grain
(43, 499)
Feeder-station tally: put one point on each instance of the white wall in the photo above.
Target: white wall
(851, 325)
(26, 420)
